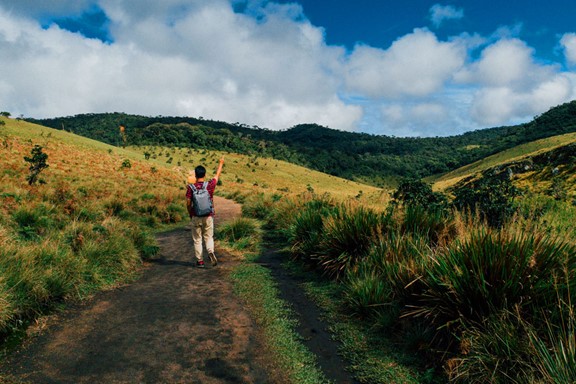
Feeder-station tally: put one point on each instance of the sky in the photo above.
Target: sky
(386, 67)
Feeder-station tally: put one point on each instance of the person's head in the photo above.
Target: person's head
(200, 172)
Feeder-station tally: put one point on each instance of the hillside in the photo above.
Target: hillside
(76, 159)
(379, 160)
(88, 222)
(517, 154)
(254, 174)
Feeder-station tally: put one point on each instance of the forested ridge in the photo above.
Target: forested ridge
(370, 158)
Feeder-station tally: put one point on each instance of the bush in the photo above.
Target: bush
(35, 222)
(497, 352)
(493, 195)
(367, 294)
(37, 164)
(306, 230)
(492, 272)
(413, 192)
(555, 351)
(126, 164)
(433, 225)
(241, 233)
(347, 238)
(258, 206)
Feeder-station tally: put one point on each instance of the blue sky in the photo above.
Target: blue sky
(401, 68)
(379, 23)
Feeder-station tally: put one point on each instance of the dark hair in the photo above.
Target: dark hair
(200, 172)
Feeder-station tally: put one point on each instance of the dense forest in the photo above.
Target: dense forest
(369, 158)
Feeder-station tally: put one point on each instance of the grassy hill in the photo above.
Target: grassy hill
(374, 159)
(254, 174)
(512, 155)
(89, 222)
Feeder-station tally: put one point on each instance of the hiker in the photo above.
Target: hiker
(199, 202)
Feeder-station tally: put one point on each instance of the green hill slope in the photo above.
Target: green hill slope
(379, 160)
(503, 159)
(89, 221)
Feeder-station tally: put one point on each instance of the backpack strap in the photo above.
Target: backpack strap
(194, 189)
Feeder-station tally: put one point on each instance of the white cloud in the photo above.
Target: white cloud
(440, 13)
(507, 62)
(415, 65)
(270, 67)
(568, 42)
(208, 62)
(511, 85)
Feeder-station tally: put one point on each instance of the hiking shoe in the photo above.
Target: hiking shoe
(213, 259)
(200, 264)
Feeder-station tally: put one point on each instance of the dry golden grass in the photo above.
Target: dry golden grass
(254, 174)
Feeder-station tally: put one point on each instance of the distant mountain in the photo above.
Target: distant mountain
(374, 159)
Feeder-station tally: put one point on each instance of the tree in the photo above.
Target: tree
(493, 195)
(414, 192)
(37, 164)
(5, 114)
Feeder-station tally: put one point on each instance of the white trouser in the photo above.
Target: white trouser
(203, 229)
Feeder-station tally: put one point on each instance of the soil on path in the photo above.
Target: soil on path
(176, 324)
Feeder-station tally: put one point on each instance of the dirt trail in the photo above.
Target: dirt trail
(176, 324)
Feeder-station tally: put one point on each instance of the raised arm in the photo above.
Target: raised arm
(219, 171)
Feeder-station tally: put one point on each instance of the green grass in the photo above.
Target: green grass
(442, 182)
(80, 232)
(374, 357)
(255, 285)
(255, 175)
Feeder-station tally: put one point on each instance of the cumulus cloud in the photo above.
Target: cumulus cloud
(209, 61)
(568, 42)
(440, 13)
(512, 85)
(260, 62)
(415, 65)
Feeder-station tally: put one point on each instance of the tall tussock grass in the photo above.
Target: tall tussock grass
(242, 234)
(494, 271)
(488, 304)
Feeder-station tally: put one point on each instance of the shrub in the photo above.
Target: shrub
(497, 352)
(400, 261)
(555, 352)
(491, 272)
(241, 233)
(110, 253)
(367, 294)
(413, 192)
(37, 164)
(347, 238)
(493, 195)
(258, 206)
(306, 230)
(35, 222)
(114, 207)
(431, 224)
(144, 242)
(126, 164)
